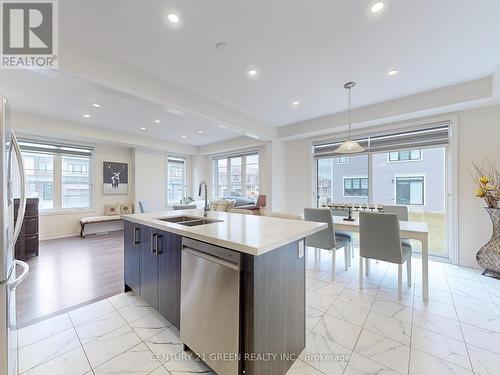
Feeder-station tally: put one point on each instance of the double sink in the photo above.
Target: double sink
(189, 221)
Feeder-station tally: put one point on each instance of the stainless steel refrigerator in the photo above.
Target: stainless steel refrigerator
(12, 272)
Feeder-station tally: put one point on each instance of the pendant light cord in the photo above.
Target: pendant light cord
(349, 138)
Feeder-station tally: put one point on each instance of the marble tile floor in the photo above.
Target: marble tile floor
(349, 331)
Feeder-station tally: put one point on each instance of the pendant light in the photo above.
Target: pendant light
(349, 146)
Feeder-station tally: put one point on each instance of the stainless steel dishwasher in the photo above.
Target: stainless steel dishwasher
(210, 304)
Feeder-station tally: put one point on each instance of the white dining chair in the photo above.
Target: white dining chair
(326, 239)
(347, 236)
(380, 239)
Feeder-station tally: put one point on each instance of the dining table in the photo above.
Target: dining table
(413, 230)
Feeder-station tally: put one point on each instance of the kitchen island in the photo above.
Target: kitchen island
(234, 285)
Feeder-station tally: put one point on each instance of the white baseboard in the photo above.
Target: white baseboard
(58, 236)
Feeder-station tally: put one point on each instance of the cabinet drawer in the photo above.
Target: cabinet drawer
(30, 245)
(30, 225)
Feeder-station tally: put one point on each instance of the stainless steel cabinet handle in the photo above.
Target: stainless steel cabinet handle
(22, 201)
(153, 243)
(137, 236)
(159, 249)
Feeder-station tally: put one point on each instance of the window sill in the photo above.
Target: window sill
(66, 211)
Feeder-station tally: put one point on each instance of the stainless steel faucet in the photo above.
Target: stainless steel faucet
(205, 208)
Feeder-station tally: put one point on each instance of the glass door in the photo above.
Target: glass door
(342, 179)
(415, 179)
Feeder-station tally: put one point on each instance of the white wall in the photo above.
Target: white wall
(150, 177)
(201, 171)
(57, 225)
(298, 193)
(479, 139)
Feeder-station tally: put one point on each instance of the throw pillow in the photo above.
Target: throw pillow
(126, 208)
(111, 209)
(230, 203)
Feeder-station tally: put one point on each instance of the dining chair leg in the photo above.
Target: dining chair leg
(360, 272)
(346, 257)
(351, 252)
(333, 264)
(408, 271)
(367, 265)
(400, 279)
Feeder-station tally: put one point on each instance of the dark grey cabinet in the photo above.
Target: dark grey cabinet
(149, 267)
(27, 243)
(169, 277)
(132, 247)
(152, 268)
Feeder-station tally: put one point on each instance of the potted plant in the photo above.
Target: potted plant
(487, 178)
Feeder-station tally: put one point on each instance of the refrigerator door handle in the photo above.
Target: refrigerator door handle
(22, 276)
(22, 201)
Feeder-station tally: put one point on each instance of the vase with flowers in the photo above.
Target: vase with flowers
(487, 178)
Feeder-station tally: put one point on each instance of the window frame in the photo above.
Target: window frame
(415, 177)
(243, 173)
(352, 178)
(399, 160)
(57, 189)
(184, 160)
(346, 160)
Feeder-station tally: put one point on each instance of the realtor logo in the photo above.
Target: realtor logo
(29, 34)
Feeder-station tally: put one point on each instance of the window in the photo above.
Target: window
(410, 191)
(392, 178)
(58, 175)
(356, 187)
(39, 173)
(237, 176)
(176, 179)
(405, 155)
(75, 180)
(343, 160)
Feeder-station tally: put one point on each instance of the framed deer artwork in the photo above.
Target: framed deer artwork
(114, 178)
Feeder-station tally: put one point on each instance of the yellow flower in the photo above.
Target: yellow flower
(484, 180)
(480, 193)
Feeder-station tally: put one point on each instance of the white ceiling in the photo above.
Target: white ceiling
(302, 50)
(61, 96)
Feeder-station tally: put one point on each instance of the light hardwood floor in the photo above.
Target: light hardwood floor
(70, 272)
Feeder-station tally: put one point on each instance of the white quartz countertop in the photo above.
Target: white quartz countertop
(250, 234)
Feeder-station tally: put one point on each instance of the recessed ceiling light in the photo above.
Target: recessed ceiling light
(252, 135)
(86, 115)
(296, 103)
(393, 72)
(252, 72)
(184, 137)
(200, 132)
(175, 111)
(377, 7)
(174, 18)
(96, 105)
(143, 128)
(157, 121)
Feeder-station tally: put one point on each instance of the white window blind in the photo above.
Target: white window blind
(437, 134)
(59, 175)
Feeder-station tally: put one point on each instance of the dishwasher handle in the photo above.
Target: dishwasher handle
(212, 258)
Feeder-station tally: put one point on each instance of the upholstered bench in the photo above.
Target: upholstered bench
(96, 219)
(112, 213)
